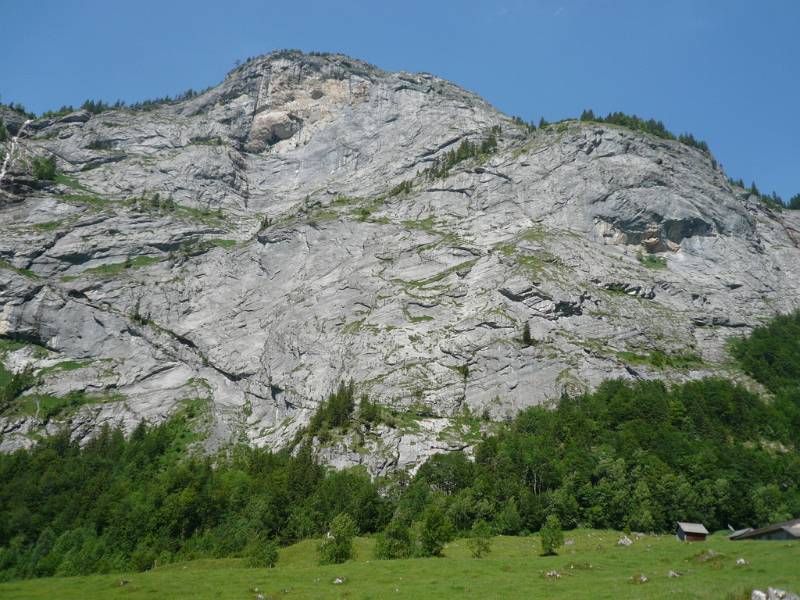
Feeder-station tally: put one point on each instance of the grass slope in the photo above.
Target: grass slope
(594, 566)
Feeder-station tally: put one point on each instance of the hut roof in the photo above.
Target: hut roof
(791, 527)
(698, 528)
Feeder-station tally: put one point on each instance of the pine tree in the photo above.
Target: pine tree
(368, 411)
(526, 335)
(44, 169)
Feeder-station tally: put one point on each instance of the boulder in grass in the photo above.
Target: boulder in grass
(624, 541)
(773, 594)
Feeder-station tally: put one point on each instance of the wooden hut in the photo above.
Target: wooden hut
(788, 530)
(692, 532)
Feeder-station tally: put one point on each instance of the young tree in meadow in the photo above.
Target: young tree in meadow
(337, 545)
(435, 533)
(551, 536)
(263, 554)
(480, 543)
(394, 542)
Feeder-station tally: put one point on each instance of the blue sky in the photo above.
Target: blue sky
(726, 71)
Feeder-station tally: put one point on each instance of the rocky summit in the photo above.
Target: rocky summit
(312, 220)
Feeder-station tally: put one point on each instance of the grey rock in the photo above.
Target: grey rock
(277, 262)
(79, 116)
(553, 574)
(773, 594)
(12, 119)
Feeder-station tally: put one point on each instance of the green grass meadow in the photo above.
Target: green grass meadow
(593, 566)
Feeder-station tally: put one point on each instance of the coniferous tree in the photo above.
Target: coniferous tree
(44, 168)
(526, 335)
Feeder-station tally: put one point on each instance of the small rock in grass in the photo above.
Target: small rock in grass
(339, 581)
(741, 562)
(674, 574)
(624, 541)
(123, 582)
(641, 578)
(569, 542)
(776, 594)
(553, 574)
(708, 555)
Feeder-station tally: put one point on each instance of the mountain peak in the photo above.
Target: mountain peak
(314, 219)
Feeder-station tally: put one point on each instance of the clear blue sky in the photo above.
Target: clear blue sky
(727, 71)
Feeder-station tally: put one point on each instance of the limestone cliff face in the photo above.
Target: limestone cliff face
(280, 257)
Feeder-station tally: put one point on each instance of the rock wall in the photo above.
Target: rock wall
(248, 249)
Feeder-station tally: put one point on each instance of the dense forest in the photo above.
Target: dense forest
(632, 455)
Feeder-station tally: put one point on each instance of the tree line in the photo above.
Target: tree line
(651, 126)
(96, 107)
(658, 129)
(100, 106)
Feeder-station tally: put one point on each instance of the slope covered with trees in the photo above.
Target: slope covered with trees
(637, 455)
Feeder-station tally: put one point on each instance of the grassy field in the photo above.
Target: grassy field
(593, 566)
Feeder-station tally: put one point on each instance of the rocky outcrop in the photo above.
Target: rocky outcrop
(246, 250)
(12, 119)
